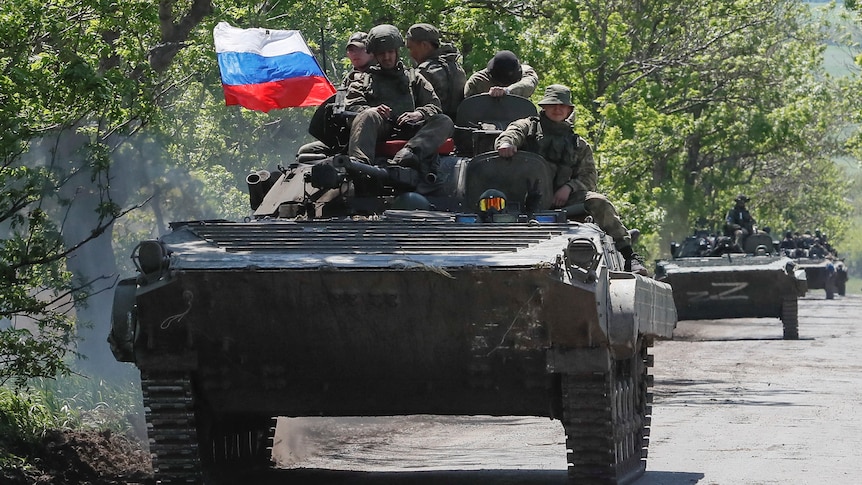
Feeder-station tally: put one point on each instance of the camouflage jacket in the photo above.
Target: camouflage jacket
(558, 144)
(354, 74)
(401, 89)
(443, 70)
(481, 82)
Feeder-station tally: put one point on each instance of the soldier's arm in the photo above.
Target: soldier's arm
(528, 83)
(425, 98)
(587, 176)
(356, 100)
(436, 75)
(478, 83)
(515, 134)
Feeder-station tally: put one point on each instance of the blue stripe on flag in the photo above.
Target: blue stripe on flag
(249, 68)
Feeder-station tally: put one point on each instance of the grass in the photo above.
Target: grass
(75, 402)
(854, 285)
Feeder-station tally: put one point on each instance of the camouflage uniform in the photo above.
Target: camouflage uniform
(358, 39)
(520, 82)
(403, 90)
(573, 157)
(739, 224)
(442, 68)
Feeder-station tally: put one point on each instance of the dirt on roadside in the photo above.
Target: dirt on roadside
(81, 457)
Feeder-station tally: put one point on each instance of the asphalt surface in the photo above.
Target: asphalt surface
(734, 404)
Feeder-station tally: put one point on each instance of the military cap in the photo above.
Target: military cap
(424, 33)
(384, 37)
(557, 94)
(359, 39)
(505, 67)
(742, 198)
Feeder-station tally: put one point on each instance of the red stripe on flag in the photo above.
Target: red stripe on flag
(287, 93)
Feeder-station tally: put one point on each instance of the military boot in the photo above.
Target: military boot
(405, 157)
(633, 261)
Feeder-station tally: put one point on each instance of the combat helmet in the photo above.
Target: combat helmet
(384, 37)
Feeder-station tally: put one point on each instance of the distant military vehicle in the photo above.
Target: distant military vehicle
(711, 281)
(351, 294)
(828, 274)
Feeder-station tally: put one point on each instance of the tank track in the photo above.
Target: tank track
(607, 420)
(169, 406)
(790, 318)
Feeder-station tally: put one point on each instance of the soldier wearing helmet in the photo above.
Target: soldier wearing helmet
(738, 223)
(505, 74)
(395, 101)
(439, 63)
(552, 136)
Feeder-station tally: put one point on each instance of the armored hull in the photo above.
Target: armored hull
(736, 286)
(247, 321)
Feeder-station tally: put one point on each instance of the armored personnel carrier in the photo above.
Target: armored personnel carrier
(711, 281)
(828, 274)
(377, 300)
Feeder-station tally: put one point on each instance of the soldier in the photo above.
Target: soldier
(504, 75)
(360, 58)
(360, 61)
(788, 245)
(739, 224)
(552, 136)
(439, 63)
(393, 101)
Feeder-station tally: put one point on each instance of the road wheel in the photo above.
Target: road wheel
(790, 318)
(606, 417)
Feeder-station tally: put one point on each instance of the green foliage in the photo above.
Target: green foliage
(27, 413)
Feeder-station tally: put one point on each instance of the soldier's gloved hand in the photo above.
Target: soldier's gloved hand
(411, 117)
(507, 150)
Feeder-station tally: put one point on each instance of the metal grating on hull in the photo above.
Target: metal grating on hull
(374, 237)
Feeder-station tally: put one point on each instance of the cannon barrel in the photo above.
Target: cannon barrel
(259, 183)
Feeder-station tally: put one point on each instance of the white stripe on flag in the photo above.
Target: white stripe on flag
(266, 42)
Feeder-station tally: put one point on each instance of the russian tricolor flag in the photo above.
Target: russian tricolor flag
(265, 69)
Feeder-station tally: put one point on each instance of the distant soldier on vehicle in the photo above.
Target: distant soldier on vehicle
(395, 102)
(505, 74)
(439, 63)
(552, 136)
(788, 245)
(739, 224)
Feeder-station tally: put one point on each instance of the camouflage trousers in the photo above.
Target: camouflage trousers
(369, 127)
(604, 214)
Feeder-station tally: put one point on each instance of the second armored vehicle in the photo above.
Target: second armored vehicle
(710, 281)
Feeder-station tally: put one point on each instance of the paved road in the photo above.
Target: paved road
(734, 405)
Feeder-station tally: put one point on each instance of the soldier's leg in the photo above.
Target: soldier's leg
(607, 218)
(427, 141)
(368, 127)
(316, 147)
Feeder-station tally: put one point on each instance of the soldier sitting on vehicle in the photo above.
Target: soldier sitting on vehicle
(504, 75)
(552, 136)
(439, 63)
(788, 245)
(739, 224)
(393, 101)
(360, 61)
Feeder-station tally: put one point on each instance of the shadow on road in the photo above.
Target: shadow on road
(310, 476)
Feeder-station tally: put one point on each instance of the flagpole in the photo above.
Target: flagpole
(322, 41)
